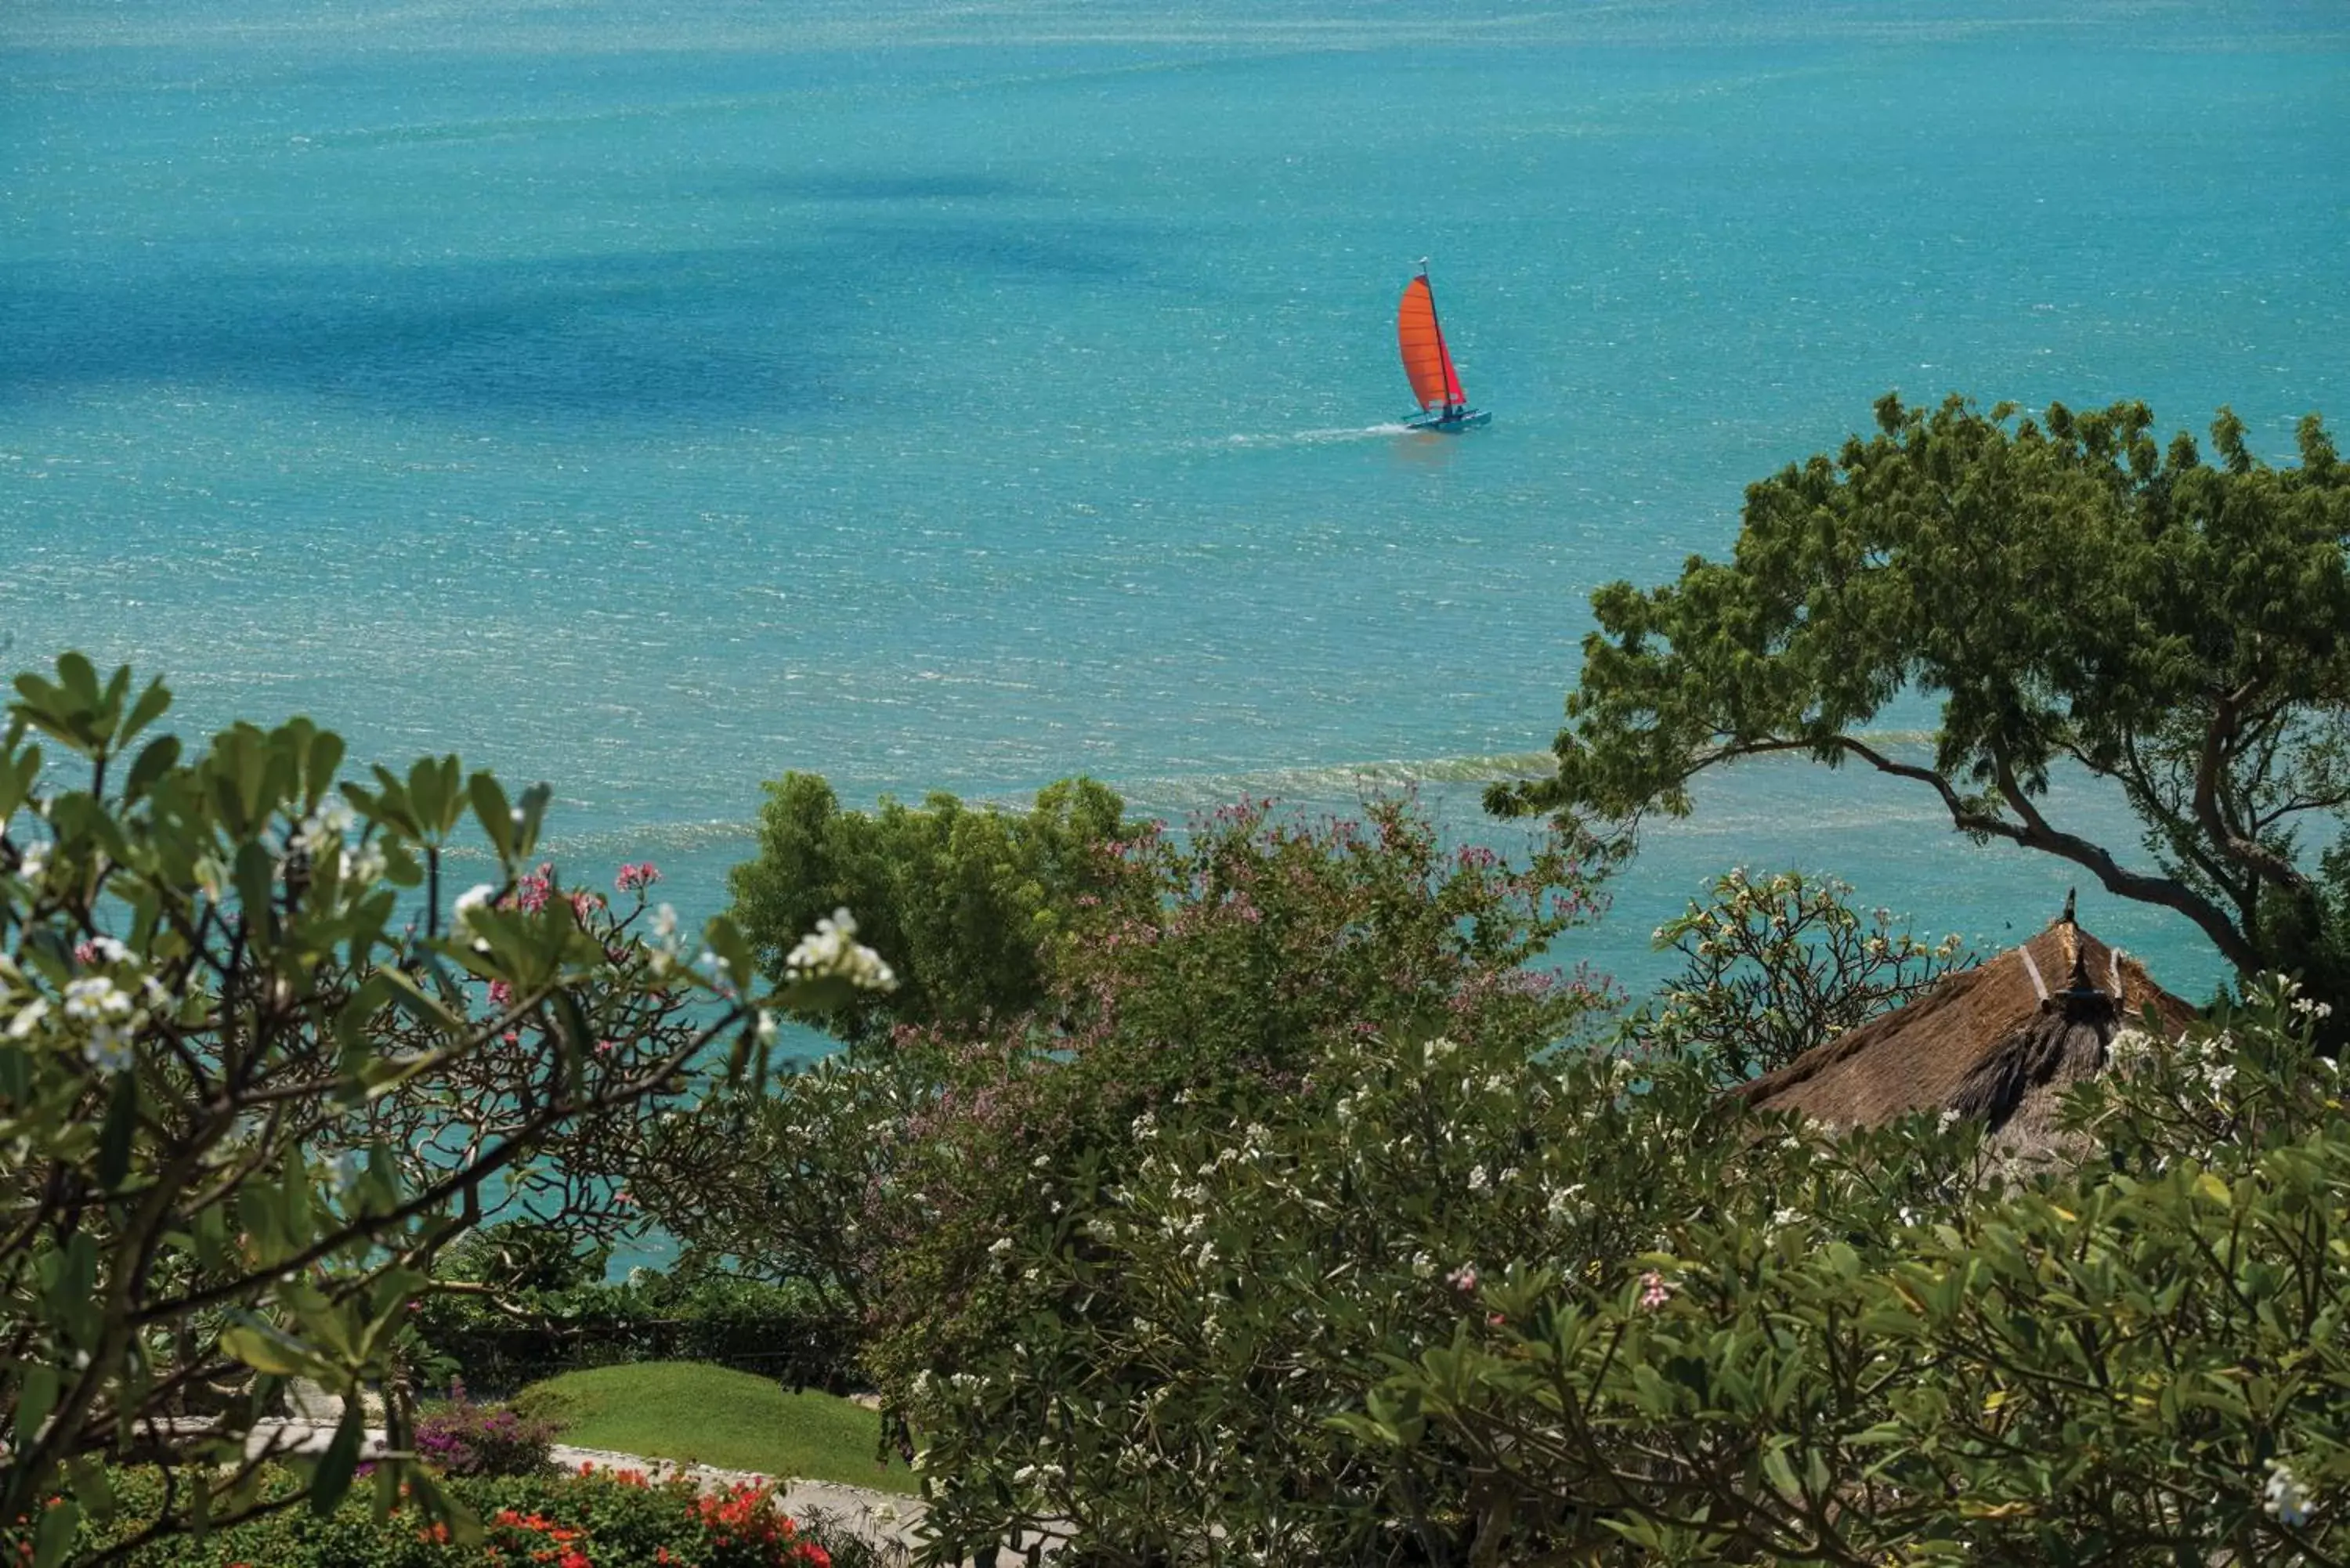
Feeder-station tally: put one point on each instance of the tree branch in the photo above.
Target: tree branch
(2035, 833)
(2219, 738)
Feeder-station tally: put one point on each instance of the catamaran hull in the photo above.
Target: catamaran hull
(1469, 420)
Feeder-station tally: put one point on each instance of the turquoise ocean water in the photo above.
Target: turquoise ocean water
(652, 398)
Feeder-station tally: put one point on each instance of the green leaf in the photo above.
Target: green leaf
(441, 1505)
(534, 813)
(54, 1537)
(36, 1397)
(332, 1477)
(92, 1487)
(156, 758)
(256, 876)
(78, 678)
(497, 817)
(122, 1124)
(319, 767)
(577, 1032)
(146, 711)
(725, 938)
(266, 1348)
(17, 776)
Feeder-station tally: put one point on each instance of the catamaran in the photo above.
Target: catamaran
(1443, 405)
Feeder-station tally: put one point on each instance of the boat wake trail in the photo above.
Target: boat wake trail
(1320, 438)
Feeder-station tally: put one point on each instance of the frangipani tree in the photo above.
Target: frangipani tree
(249, 1088)
(2073, 594)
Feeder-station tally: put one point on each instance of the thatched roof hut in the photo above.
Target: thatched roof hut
(1999, 1040)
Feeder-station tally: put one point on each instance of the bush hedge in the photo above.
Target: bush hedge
(783, 1332)
(460, 1437)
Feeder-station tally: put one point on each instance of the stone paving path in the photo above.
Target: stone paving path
(886, 1518)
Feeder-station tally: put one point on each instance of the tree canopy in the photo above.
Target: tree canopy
(2073, 594)
(967, 901)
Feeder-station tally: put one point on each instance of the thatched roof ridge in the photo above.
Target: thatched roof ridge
(1983, 1041)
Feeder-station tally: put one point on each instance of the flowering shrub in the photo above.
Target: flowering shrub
(249, 1090)
(1239, 962)
(596, 1519)
(1226, 963)
(2132, 1361)
(461, 1437)
(744, 1528)
(1178, 1339)
(1774, 965)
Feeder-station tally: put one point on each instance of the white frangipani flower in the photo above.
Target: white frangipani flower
(2129, 1049)
(107, 1049)
(2284, 1498)
(95, 997)
(366, 866)
(832, 950)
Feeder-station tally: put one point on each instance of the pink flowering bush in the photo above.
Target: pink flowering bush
(463, 1438)
(1236, 959)
(1253, 973)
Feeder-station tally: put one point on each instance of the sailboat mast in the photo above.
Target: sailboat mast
(1443, 353)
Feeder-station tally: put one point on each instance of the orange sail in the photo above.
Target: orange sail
(1425, 358)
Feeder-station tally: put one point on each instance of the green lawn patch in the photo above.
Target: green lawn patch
(688, 1411)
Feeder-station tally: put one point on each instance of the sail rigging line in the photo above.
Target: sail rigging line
(1455, 400)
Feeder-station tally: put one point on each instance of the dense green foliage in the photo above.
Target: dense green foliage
(715, 1416)
(1774, 965)
(1267, 944)
(966, 903)
(1179, 1330)
(248, 1094)
(2136, 1361)
(2073, 594)
(1487, 1305)
(599, 1520)
(1225, 964)
(775, 1191)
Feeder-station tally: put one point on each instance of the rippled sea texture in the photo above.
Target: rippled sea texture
(653, 399)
